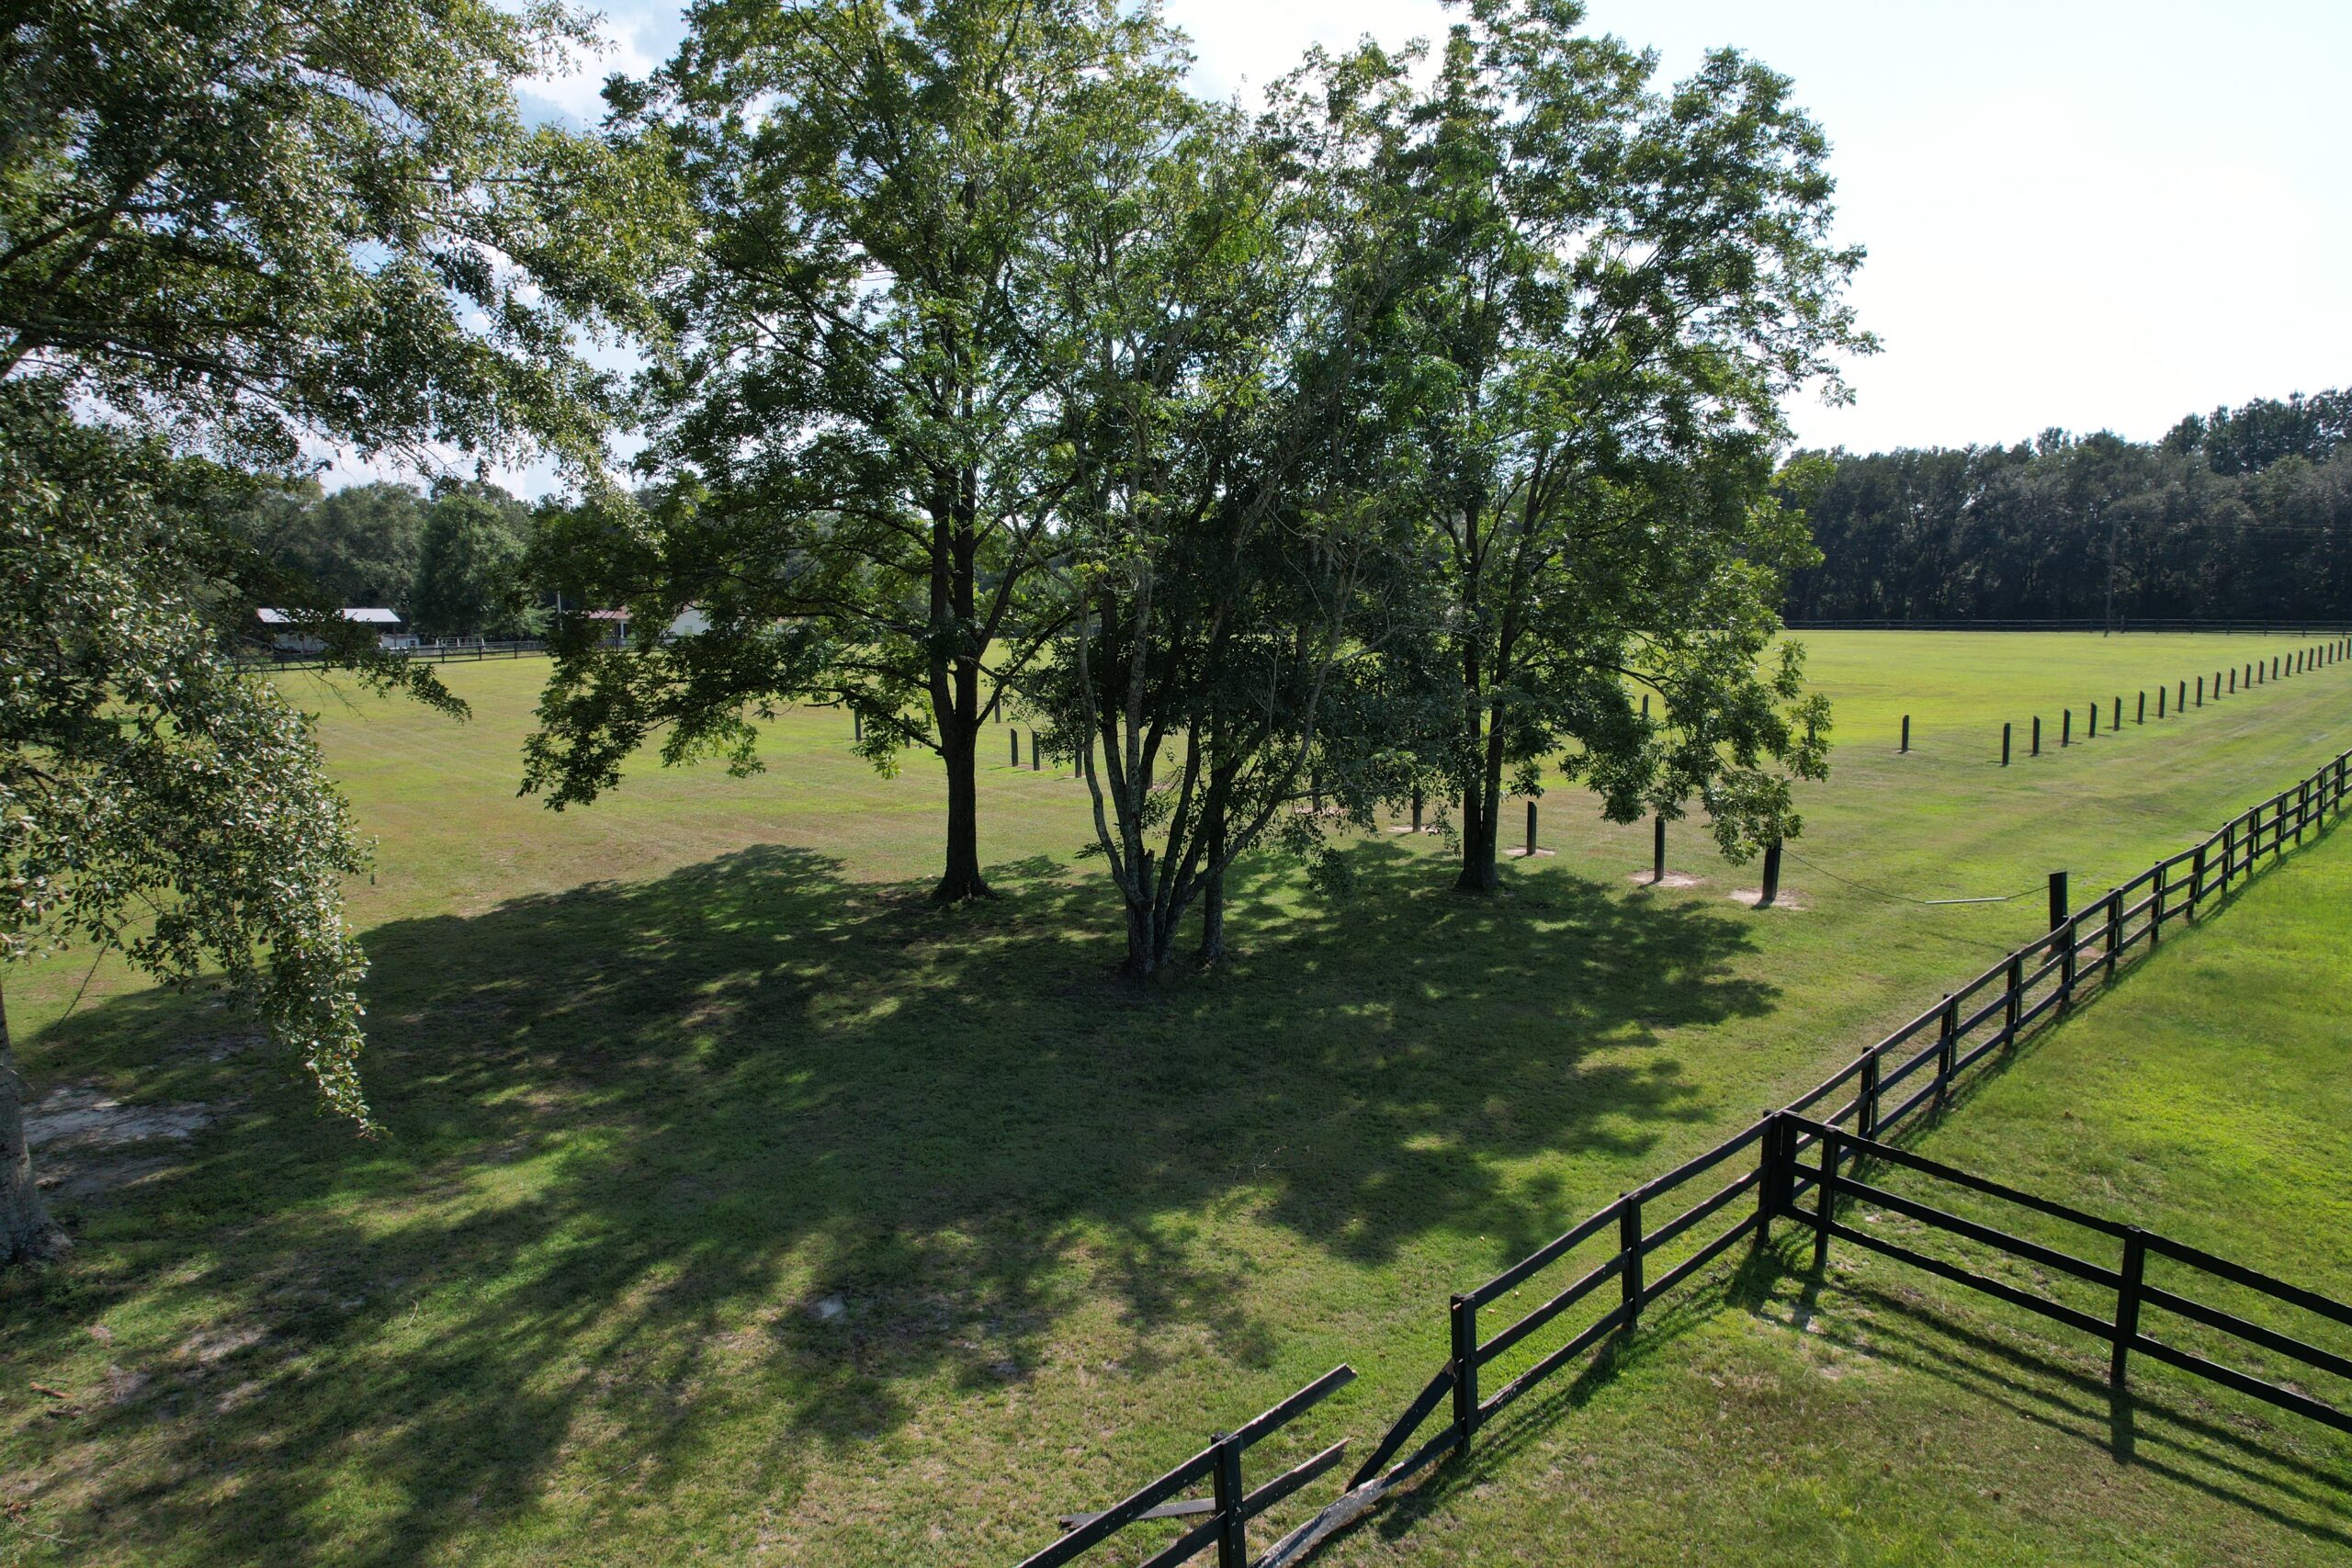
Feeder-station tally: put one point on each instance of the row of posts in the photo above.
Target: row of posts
(2255, 674)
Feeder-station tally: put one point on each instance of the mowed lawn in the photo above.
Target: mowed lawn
(1879, 1415)
(735, 1205)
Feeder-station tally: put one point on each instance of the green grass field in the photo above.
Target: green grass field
(1882, 1416)
(735, 1204)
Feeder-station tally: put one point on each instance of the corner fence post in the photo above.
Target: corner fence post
(1629, 1246)
(1866, 1099)
(1232, 1530)
(1767, 1178)
(1464, 1326)
(1825, 1197)
(2127, 1303)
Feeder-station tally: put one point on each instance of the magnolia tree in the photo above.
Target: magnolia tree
(245, 225)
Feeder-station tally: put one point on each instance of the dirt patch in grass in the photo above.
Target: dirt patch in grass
(1671, 879)
(90, 1143)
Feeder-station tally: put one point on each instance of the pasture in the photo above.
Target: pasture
(735, 1204)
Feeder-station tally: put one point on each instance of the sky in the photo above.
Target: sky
(2080, 215)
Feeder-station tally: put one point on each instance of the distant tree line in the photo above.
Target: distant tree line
(451, 563)
(2244, 513)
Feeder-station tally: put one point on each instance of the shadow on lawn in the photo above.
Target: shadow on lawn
(644, 1138)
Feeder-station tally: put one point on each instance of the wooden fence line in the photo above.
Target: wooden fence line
(2084, 945)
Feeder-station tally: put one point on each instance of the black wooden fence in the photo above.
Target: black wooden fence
(1834, 1178)
(432, 653)
(2121, 624)
(1655, 1237)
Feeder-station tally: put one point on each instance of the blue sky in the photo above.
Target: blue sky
(2080, 215)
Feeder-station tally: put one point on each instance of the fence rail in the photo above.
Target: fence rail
(1787, 1177)
(2085, 946)
(439, 653)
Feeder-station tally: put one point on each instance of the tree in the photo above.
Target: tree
(1623, 284)
(470, 566)
(862, 433)
(152, 798)
(1228, 567)
(357, 547)
(248, 223)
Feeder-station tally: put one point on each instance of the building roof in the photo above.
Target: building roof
(366, 615)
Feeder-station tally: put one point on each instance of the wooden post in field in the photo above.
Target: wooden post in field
(2144, 706)
(2037, 737)
(1016, 748)
(1531, 830)
(2094, 733)
(2183, 704)
(2005, 745)
(1771, 874)
(1416, 808)
(2066, 728)
(1906, 733)
(1658, 848)
(2234, 683)
(1464, 1321)
(1036, 752)
(2200, 691)
(2057, 899)
(2161, 694)
(2119, 715)
(1226, 1492)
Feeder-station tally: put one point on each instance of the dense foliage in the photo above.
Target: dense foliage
(2245, 514)
(246, 227)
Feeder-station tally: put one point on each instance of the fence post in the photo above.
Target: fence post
(2066, 726)
(2234, 683)
(1465, 1366)
(2197, 880)
(1232, 1530)
(2037, 737)
(2005, 745)
(2114, 931)
(2183, 704)
(1416, 808)
(1767, 1178)
(2157, 905)
(1771, 874)
(1866, 1099)
(2143, 707)
(2303, 809)
(2200, 691)
(2016, 999)
(1907, 732)
(1825, 1199)
(2094, 712)
(1016, 747)
(1036, 754)
(1947, 1046)
(2057, 900)
(2118, 713)
(2161, 693)
(2229, 850)
(1658, 849)
(856, 727)
(1629, 1244)
(2127, 1301)
(1531, 830)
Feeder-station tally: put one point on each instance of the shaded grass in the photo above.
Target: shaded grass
(667, 1077)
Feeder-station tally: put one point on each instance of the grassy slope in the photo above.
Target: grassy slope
(1889, 1417)
(661, 1074)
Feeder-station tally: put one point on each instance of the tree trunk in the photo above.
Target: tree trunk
(1482, 805)
(961, 878)
(26, 1232)
(1213, 894)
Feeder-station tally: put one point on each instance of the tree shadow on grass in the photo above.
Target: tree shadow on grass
(755, 1147)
